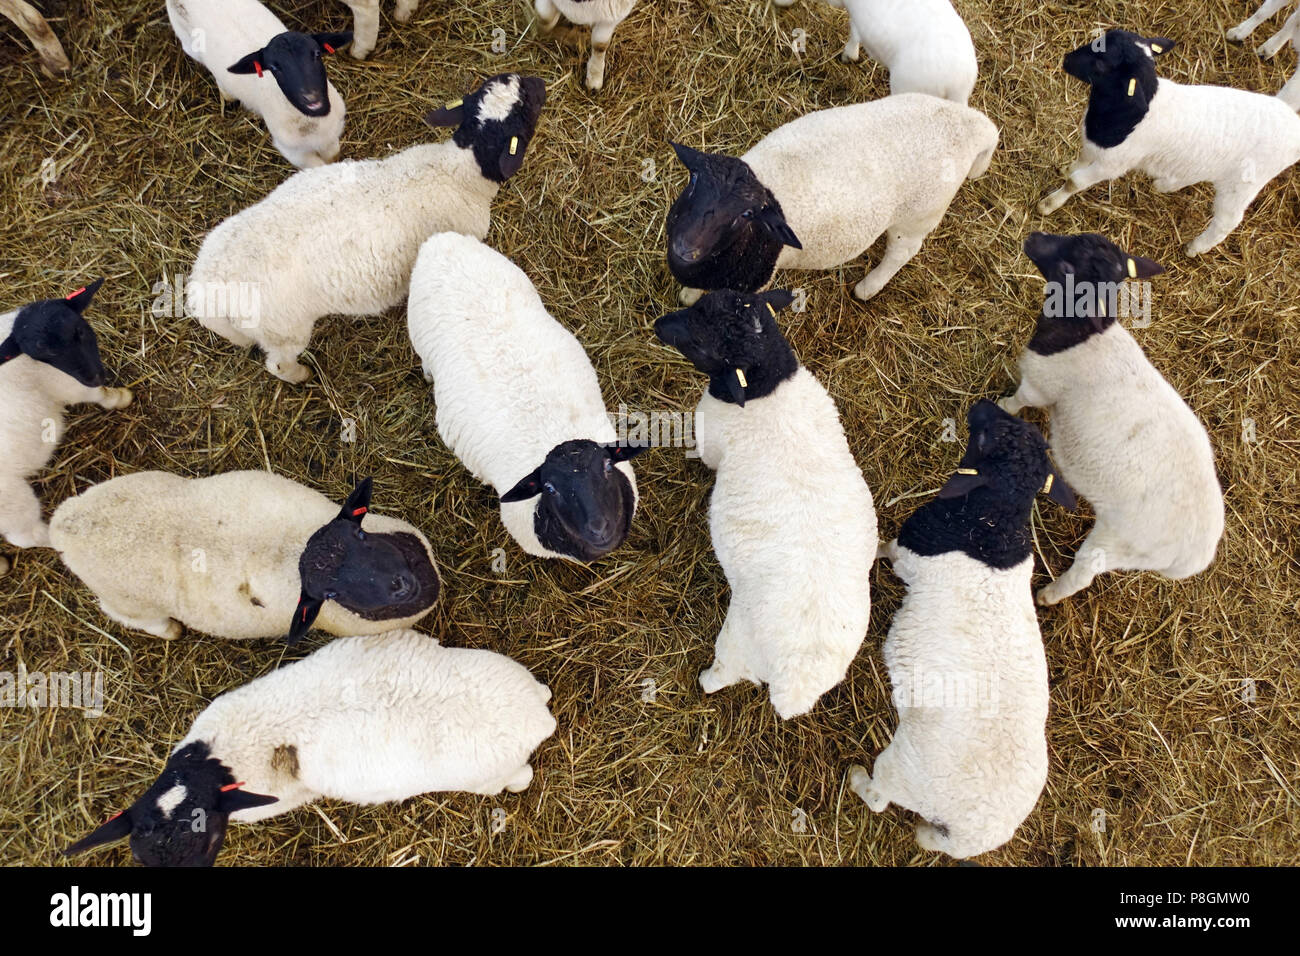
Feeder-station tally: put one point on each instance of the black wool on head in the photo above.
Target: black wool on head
(497, 122)
(296, 63)
(54, 331)
(1121, 71)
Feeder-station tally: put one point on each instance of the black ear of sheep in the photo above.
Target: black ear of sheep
(117, 828)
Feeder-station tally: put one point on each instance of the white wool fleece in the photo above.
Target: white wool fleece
(288, 262)
(33, 398)
(218, 554)
(1232, 138)
(510, 382)
(218, 34)
(1124, 439)
(844, 176)
(969, 677)
(374, 719)
(924, 44)
(794, 529)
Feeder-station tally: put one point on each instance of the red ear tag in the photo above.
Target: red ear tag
(328, 48)
(232, 786)
(359, 511)
(304, 615)
(73, 295)
(115, 816)
(258, 67)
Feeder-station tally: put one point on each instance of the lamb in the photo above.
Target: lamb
(964, 652)
(364, 719)
(1179, 135)
(48, 48)
(242, 555)
(1124, 439)
(923, 43)
(266, 274)
(1290, 93)
(239, 41)
(365, 22)
(791, 517)
(49, 359)
(818, 191)
(603, 16)
(518, 402)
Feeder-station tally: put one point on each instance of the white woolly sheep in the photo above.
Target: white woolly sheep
(924, 44)
(1123, 437)
(48, 48)
(1178, 135)
(518, 401)
(49, 359)
(964, 652)
(1290, 93)
(791, 517)
(239, 41)
(364, 719)
(818, 191)
(243, 555)
(266, 274)
(603, 16)
(365, 22)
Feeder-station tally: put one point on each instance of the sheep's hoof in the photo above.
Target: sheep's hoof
(1008, 405)
(1047, 597)
(867, 288)
(292, 372)
(115, 398)
(361, 54)
(1237, 34)
(847, 57)
(689, 296)
(4, 566)
(171, 631)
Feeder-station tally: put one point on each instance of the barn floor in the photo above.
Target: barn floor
(1173, 704)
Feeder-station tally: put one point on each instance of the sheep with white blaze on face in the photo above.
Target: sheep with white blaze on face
(302, 271)
(364, 719)
(1178, 135)
(519, 403)
(819, 191)
(971, 759)
(791, 517)
(49, 359)
(1123, 437)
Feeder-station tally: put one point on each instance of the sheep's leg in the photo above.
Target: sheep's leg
(726, 668)
(20, 515)
(852, 47)
(1230, 202)
(163, 627)
(1247, 26)
(1081, 177)
(1100, 552)
(601, 36)
(860, 782)
(1290, 94)
(520, 779)
(405, 10)
(48, 47)
(365, 26)
(110, 398)
(887, 550)
(1025, 396)
(1279, 39)
(900, 248)
(283, 364)
(547, 15)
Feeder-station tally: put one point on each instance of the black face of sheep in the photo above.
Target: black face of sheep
(373, 575)
(1008, 456)
(497, 121)
(1086, 272)
(722, 216)
(1117, 54)
(180, 820)
(733, 338)
(296, 61)
(586, 504)
(53, 331)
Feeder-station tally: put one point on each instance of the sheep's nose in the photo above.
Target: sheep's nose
(685, 250)
(402, 587)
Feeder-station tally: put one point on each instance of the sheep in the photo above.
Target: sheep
(518, 402)
(33, 25)
(49, 359)
(964, 652)
(791, 517)
(818, 191)
(266, 274)
(364, 719)
(1179, 135)
(365, 22)
(1290, 93)
(1124, 438)
(239, 41)
(924, 44)
(242, 555)
(603, 16)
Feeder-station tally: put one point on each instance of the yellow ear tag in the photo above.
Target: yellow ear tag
(740, 377)
(514, 145)
(1132, 269)
(1047, 486)
(1101, 307)
(454, 103)
(772, 310)
(968, 471)
(1157, 48)
(1132, 85)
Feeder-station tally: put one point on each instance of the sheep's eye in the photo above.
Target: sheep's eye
(361, 535)
(609, 466)
(747, 214)
(549, 489)
(316, 54)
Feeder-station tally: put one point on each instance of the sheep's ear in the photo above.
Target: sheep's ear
(358, 503)
(1161, 45)
(450, 115)
(528, 487)
(235, 799)
(778, 299)
(9, 349)
(332, 42)
(774, 225)
(249, 64)
(512, 157)
(686, 156)
(304, 617)
(621, 453)
(1141, 268)
(736, 385)
(112, 831)
(1056, 489)
(79, 301)
(963, 483)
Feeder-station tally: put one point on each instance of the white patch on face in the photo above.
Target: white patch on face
(172, 799)
(499, 100)
(1146, 48)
